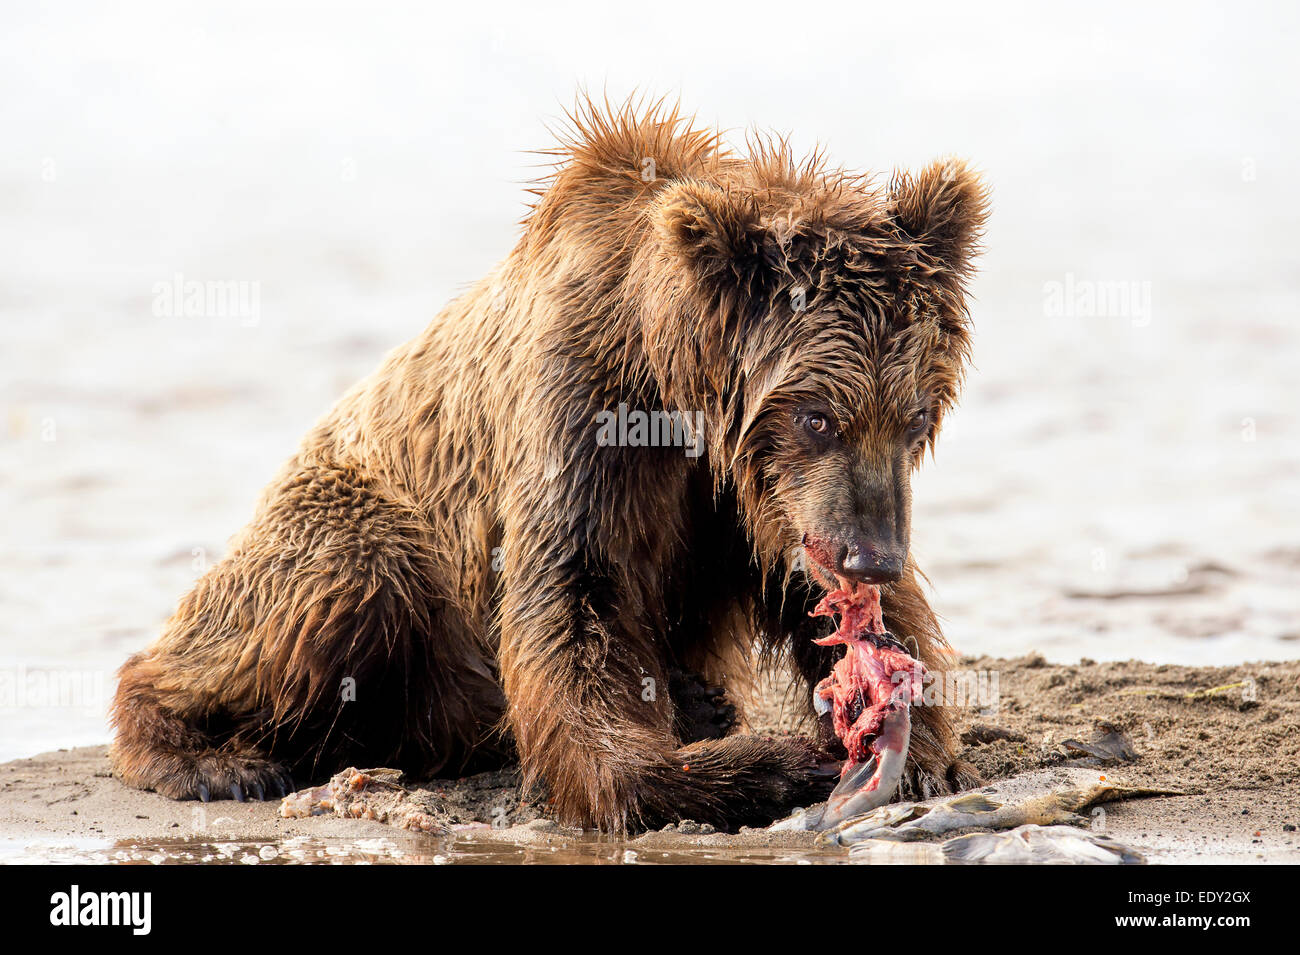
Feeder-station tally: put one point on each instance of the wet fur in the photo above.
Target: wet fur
(371, 556)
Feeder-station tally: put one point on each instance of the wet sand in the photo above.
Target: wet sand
(1227, 737)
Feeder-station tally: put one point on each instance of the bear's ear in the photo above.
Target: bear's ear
(719, 235)
(943, 209)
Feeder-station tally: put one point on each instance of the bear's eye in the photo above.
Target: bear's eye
(917, 425)
(818, 424)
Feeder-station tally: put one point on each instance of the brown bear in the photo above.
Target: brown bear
(467, 561)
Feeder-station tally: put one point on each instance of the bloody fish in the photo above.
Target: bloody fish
(869, 693)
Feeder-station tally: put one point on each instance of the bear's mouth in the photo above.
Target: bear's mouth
(822, 565)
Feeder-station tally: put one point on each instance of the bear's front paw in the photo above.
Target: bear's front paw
(702, 711)
(754, 780)
(223, 776)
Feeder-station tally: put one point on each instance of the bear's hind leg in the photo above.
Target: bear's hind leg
(311, 646)
(159, 750)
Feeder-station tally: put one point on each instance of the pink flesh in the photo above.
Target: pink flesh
(870, 705)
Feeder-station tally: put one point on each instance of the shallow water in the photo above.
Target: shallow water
(1119, 482)
(590, 850)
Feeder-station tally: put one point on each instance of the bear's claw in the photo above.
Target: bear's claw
(227, 777)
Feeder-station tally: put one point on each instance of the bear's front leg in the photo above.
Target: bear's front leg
(593, 717)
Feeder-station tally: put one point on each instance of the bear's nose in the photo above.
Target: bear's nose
(865, 564)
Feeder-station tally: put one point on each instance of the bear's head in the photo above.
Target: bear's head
(820, 325)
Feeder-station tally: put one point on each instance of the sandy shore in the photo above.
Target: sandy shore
(1226, 737)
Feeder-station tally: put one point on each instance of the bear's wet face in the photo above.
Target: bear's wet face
(846, 494)
(836, 448)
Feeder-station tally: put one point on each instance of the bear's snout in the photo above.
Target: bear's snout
(862, 561)
(856, 558)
